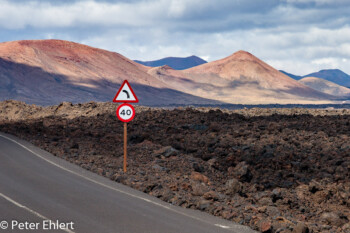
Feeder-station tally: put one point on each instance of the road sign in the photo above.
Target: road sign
(125, 94)
(125, 112)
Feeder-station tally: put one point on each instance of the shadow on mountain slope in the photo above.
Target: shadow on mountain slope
(33, 85)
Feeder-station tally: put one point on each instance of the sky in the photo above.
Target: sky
(298, 36)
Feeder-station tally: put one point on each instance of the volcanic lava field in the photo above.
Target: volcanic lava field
(273, 170)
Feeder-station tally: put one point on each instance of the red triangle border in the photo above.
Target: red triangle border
(125, 101)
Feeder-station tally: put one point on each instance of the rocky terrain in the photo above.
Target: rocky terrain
(275, 170)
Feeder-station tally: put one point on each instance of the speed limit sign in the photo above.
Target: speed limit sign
(125, 112)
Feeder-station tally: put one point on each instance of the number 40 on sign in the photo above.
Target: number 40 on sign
(125, 112)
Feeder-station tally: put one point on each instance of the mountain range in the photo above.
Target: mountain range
(239, 78)
(333, 75)
(48, 72)
(177, 63)
(326, 86)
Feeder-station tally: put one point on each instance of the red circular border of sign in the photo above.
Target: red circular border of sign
(132, 116)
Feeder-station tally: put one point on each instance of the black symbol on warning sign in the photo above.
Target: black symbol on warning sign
(127, 94)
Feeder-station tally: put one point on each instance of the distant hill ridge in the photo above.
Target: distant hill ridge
(325, 86)
(296, 77)
(333, 75)
(177, 63)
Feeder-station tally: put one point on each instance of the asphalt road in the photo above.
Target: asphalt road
(36, 188)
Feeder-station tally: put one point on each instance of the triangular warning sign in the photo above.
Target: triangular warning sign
(125, 94)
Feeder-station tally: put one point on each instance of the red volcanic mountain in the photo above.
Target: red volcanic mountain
(51, 71)
(240, 78)
(48, 72)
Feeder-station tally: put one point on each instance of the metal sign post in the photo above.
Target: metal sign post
(125, 143)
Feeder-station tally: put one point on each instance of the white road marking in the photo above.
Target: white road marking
(222, 226)
(29, 210)
(115, 189)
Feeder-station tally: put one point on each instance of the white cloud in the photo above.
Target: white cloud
(328, 61)
(299, 52)
(318, 2)
(76, 14)
(289, 34)
(177, 8)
